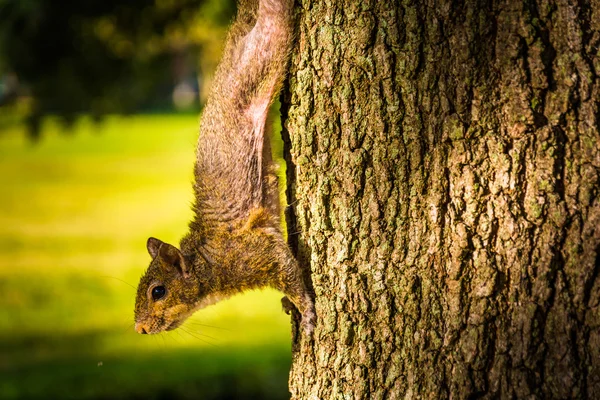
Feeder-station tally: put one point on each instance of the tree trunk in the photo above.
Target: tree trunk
(444, 181)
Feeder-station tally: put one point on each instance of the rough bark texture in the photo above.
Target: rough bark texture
(444, 167)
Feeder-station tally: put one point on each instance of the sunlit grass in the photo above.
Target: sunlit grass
(75, 212)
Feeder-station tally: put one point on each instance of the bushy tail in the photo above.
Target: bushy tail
(230, 167)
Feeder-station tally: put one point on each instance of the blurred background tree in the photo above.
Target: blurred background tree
(97, 57)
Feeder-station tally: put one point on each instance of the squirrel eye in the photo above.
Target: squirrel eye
(158, 292)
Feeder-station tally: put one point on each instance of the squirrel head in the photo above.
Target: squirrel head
(168, 291)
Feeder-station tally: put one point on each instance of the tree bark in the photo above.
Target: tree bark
(444, 181)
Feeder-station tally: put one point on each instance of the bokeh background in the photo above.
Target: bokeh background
(99, 106)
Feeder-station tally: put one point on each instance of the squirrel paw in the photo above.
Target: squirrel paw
(309, 317)
(287, 305)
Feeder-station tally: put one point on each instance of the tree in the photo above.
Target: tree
(444, 167)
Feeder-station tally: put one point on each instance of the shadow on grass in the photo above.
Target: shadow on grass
(79, 367)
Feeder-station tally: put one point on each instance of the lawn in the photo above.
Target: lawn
(75, 212)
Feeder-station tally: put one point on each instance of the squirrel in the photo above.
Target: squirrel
(235, 241)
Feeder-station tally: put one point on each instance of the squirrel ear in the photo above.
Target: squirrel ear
(172, 258)
(153, 245)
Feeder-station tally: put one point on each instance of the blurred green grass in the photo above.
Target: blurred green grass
(75, 212)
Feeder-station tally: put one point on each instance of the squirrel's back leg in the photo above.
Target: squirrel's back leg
(271, 200)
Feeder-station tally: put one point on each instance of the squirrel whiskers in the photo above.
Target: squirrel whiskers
(235, 241)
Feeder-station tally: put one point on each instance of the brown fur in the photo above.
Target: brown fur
(235, 242)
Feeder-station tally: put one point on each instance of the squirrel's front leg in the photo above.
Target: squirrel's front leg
(290, 281)
(270, 262)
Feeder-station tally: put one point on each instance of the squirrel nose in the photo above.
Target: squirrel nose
(140, 328)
